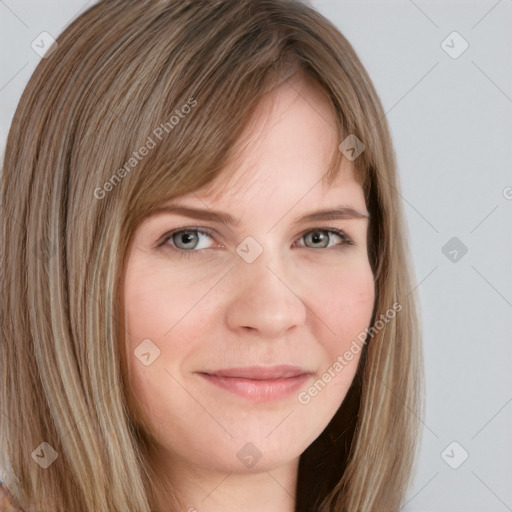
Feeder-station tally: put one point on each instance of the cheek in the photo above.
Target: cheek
(345, 305)
(154, 304)
(164, 310)
(157, 300)
(343, 309)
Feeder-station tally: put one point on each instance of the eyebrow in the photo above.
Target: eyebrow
(340, 212)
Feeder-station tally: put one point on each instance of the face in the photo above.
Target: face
(234, 321)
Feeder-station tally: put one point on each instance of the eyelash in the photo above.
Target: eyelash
(189, 253)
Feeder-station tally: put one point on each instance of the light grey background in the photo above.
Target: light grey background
(451, 121)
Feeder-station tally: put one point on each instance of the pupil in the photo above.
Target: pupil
(186, 238)
(318, 237)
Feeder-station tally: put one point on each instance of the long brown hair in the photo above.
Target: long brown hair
(181, 79)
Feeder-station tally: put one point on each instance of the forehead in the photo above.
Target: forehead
(285, 149)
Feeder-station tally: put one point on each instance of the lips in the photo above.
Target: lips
(261, 383)
(277, 372)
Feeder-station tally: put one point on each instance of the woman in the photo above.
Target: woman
(207, 290)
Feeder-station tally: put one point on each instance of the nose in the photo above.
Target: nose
(264, 299)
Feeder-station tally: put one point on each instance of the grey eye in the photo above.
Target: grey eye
(318, 238)
(185, 239)
(324, 238)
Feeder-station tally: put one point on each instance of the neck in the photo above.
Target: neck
(197, 489)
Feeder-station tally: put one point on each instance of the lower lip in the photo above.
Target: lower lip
(261, 390)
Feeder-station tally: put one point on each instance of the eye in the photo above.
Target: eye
(321, 238)
(187, 239)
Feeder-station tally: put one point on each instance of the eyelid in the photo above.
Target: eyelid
(167, 235)
(339, 232)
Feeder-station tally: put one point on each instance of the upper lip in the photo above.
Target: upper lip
(281, 371)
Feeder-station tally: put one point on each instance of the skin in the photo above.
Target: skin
(297, 303)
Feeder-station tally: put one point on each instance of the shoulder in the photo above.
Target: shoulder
(7, 501)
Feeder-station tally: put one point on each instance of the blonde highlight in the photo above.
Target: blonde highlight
(119, 71)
